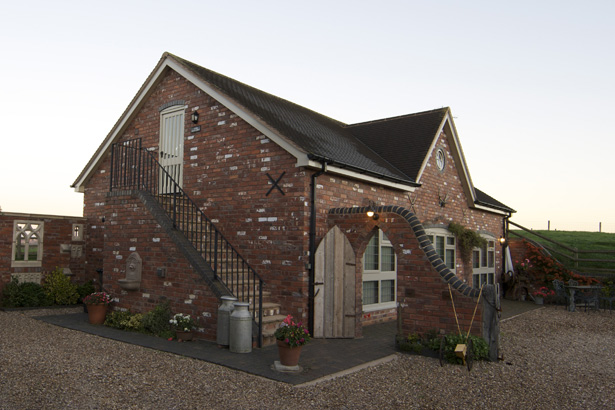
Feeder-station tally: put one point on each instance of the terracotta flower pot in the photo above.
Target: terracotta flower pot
(289, 356)
(184, 336)
(97, 314)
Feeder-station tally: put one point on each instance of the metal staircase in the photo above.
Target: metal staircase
(138, 171)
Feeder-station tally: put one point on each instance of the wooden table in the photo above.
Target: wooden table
(572, 290)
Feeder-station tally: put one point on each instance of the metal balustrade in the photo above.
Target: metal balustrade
(136, 169)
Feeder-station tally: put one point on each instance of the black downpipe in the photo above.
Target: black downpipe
(312, 258)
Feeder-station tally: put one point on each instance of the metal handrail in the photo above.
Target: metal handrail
(134, 168)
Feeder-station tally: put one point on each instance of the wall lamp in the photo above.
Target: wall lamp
(195, 117)
(502, 241)
(372, 211)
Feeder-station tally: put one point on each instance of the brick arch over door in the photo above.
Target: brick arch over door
(422, 277)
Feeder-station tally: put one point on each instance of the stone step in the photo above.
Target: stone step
(270, 309)
(271, 323)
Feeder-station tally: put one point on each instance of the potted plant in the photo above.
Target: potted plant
(291, 336)
(97, 304)
(541, 294)
(184, 325)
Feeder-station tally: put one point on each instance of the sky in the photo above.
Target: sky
(531, 85)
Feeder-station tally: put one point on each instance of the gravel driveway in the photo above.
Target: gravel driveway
(553, 359)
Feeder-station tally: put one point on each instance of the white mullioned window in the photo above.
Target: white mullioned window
(445, 244)
(27, 243)
(483, 263)
(379, 274)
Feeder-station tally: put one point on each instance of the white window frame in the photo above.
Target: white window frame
(26, 228)
(483, 263)
(448, 252)
(379, 275)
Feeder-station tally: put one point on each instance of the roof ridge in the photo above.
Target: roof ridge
(399, 117)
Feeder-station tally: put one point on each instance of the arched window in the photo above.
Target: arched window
(379, 273)
(27, 243)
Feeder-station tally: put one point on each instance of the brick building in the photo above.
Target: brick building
(32, 245)
(216, 188)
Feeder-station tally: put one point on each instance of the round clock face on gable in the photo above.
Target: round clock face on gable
(440, 159)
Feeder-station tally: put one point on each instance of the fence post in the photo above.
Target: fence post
(491, 320)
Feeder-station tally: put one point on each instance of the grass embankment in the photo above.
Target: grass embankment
(593, 242)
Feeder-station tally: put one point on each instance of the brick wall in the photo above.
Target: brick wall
(57, 231)
(423, 295)
(130, 228)
(448, 183)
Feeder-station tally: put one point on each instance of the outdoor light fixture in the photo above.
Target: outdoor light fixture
(502, 240)
(372, 212)
(195, 117)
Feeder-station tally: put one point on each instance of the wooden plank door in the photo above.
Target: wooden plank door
(335, 293)
(171, 150)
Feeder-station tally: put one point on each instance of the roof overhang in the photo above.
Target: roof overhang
(343, 171)
(490, 208)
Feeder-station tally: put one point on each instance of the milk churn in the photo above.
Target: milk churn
(240, 338)
(224, 320)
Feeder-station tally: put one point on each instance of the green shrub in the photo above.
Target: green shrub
(157, 320)
(117, 318)
(26, 294)
(125, 320)
(412, 343)
(134, 323)
(480, 348)
(85, 289)
(431, 339)
(467, 240)
(60, 289)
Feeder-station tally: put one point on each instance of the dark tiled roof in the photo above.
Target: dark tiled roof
(404, 141)
(485, 200)
(318, 135)
(392, 148)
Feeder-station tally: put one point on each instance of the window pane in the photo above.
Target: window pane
(388, 259)
(388, 291)
(476, 259)
(450, 240)
(450, 258)
(370, 292)
(490, 278)
(20, 248)
(371, 254)
(440, 246)
(476, 281)
(491, 261)
(483, 255)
